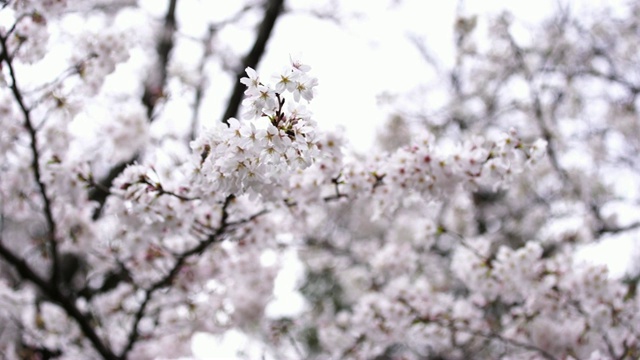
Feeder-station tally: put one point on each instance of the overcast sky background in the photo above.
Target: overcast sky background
(355, 62)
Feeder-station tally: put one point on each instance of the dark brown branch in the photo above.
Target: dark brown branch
(224, 227)
(54, 294)
(618, 229)
(112, 279)
(100, 191)
(272, 12)
(168, 279)
(50, 289)
(154, 88)
(35, 162)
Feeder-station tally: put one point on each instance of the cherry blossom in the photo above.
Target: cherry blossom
(127, 227)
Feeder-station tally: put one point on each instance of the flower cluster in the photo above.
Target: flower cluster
(456, 241)
(258, 156)
(97, 56)
(29, 39)
(45, 7)
(428, 170)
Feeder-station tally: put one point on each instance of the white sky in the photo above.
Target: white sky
(373, 54)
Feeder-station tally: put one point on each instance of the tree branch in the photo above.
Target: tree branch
(199, 90)
(154, 88)
(166, 281)
(272, 12)
(35, 161)
(618, 229)
(54, 294)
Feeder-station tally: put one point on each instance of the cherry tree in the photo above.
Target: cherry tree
(124, 230)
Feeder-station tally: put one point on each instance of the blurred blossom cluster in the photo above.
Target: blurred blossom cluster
(125, 232)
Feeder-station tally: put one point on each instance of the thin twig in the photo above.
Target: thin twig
(35, 162)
